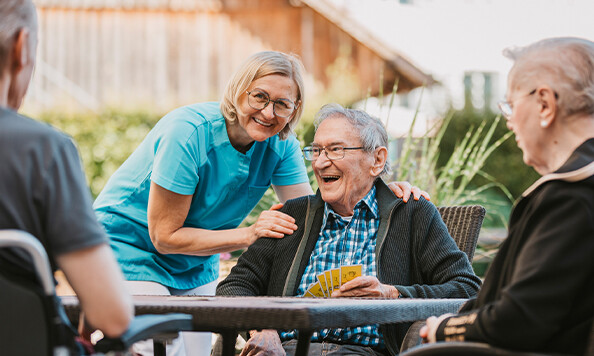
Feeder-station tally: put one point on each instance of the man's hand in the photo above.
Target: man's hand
(273, 223)
(366, 286)
(428, 331)
(404, 189)
(263, 343)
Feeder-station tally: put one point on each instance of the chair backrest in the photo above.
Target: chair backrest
(31, 323)
(464, 224)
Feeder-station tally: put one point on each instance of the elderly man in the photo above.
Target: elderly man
(539, 292)
(43, 189)
(404, 249)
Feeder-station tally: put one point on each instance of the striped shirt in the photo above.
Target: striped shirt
(345, 241)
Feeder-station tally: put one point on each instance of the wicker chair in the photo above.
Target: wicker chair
(464, 224)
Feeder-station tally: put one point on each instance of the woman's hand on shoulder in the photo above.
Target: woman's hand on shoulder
(404, 189)
(273, 223)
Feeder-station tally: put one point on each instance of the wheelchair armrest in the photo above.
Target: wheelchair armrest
(145, 327)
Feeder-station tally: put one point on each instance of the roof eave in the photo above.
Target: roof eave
(341, 19)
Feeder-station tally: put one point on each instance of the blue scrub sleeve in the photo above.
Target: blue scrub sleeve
(177, 158)
(291, 168)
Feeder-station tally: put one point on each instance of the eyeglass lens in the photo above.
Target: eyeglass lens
(505, 108)
(259, 100)
(332, 152)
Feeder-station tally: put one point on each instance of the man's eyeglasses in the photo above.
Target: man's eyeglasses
(507, 108)
(333, 152)
(258, 100)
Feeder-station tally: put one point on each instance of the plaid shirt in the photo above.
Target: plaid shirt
(345, 241)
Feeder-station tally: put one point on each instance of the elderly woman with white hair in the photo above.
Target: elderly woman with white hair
(538, 294)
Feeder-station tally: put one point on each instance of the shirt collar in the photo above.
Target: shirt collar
(368, 202)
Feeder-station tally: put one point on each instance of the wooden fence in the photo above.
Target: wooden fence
(165, 53)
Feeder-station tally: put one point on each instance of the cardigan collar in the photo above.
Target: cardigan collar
(578, 167)
(386, 199)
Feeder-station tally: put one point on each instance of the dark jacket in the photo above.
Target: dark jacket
(414, 253)
(538, 294)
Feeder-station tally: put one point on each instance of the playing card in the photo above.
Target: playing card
(316, 290)
(322, 280)
(335, 272)
(328, 275)
(350, 272)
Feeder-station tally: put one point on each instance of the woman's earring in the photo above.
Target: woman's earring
(543, 123)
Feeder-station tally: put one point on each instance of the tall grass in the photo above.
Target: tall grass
(452, 184)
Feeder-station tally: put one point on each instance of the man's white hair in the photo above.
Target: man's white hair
(14, 16)
(372, 131)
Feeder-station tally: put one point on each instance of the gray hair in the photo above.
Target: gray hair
(566, 64)
(372, 131)
(14, 16)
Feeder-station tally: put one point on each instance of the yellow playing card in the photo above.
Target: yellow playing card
(329, 288)
(316, 290)
(309, 295)
(335, 278)
(350, 272)
(322, 280)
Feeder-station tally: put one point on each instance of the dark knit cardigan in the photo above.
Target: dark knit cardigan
(414, 253)
(538, 294)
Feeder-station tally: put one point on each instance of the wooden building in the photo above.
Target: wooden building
(165, 53)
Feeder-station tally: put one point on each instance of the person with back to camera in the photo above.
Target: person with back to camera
(538, 294)
(43, 190)
(178, 199)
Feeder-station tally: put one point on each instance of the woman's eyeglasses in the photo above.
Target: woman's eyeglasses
(259, 100)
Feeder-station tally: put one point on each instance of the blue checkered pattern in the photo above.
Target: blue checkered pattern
(345, 242)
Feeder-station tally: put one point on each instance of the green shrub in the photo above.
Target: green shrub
(104, 140)
(505, 165)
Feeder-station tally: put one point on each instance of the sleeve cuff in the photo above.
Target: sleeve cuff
(454, 328)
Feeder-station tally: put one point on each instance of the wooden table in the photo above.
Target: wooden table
(228, 315)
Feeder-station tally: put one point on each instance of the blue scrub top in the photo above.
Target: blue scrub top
(188, 152)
